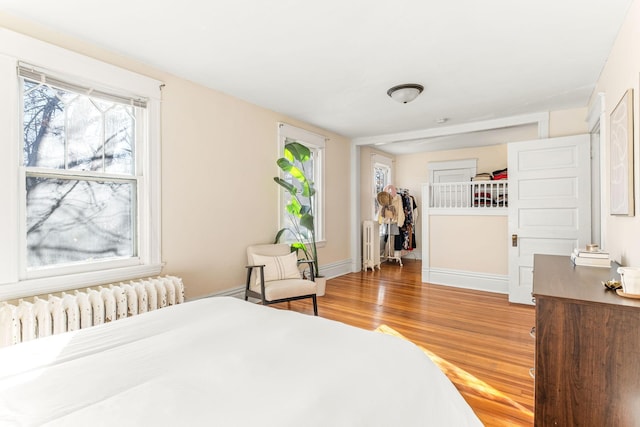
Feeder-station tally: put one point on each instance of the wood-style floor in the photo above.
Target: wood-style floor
(483, 340)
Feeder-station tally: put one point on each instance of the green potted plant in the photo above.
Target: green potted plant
(300, 205)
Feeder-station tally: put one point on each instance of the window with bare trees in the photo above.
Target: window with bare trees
(80, 183)
(80, 170)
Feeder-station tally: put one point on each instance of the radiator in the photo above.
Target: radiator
(42, 317)
(370, 245)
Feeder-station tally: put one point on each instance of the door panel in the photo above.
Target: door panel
(548, 219)
(529, 246)
(548, 188)
(549, 158)
(549, 204)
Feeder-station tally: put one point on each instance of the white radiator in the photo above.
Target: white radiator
(370, 245)
(89, 307)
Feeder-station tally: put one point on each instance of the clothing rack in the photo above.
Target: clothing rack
(396, 224)
(390, 251)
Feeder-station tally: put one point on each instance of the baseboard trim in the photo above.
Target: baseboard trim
(496, 283)
(336, 269)
(237, 292)
(328, 270)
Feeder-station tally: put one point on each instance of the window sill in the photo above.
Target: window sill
(47, 285)
(319, 243)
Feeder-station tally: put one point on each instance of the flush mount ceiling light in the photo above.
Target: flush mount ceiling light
(406, 92)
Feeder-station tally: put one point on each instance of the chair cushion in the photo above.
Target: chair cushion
(279, 289)
(278, 267)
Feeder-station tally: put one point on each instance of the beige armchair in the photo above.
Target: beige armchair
(273, 275)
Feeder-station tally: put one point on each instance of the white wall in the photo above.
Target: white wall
(620, 73)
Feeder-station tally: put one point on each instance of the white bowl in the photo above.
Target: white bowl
(630, 278)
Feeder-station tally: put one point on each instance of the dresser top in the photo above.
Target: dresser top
(556, 276)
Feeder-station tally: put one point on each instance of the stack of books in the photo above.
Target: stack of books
(591, 258)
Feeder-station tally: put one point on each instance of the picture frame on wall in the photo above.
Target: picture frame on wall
(621, 156)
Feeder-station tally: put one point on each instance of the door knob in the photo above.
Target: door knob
(514, 240)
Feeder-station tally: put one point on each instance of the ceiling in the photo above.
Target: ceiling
(330, 62)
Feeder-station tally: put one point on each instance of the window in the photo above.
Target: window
(312, 168)
(78, 152)
(82, 170)
(381, 171)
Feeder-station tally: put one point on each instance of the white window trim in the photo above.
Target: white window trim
(15, 48)
(318, 142)
(376, 161)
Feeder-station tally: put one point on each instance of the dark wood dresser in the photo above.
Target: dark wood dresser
(587, 362)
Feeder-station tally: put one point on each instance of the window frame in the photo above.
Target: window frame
(379, 161)
(315, 143)
(15, 281)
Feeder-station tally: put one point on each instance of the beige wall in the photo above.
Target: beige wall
(619, 74)
(568, 122)
(449, 233)
(469, 243)
(218, 160)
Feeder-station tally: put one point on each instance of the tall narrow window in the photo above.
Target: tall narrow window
(312, 168)
(381, 172)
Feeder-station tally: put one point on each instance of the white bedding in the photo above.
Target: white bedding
(225, 362)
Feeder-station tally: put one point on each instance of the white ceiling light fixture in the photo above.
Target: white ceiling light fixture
(406, 92)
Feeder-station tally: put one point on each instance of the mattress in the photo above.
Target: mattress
(225, 362)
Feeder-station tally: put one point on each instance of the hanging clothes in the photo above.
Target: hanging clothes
(407, 239)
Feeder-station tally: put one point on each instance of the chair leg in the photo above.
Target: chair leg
(246, 290)
(315, 305)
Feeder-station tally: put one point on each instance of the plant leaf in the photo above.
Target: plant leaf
(279, 234)
(304, 209)
(288, 155)
(301, 246)
(298, 245)
(299, 152)
(307, 186)
(284, 164)
(294, 207)
(287, 185)
(306, 220)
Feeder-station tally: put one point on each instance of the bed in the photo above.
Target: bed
(225, 362)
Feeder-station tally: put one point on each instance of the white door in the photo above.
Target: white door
(549, 204)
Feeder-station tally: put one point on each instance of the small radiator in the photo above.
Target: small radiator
(42, 317)
(370, 245)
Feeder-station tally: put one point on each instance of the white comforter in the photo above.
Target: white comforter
(225, 362)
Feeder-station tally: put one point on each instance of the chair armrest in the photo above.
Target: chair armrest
(254, 266)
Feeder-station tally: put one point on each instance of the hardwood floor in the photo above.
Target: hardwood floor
(482, 339)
